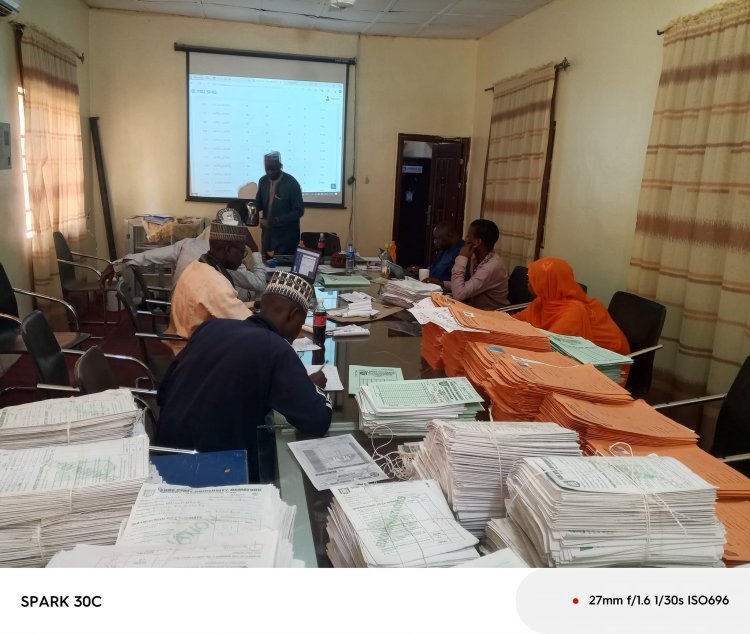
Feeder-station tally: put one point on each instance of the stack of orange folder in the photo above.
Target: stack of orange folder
(508, 331)
(432, 345)
(634, 422)
(477, 359)
(517, 386)
(735, 515)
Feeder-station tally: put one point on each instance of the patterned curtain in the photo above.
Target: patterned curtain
(516, 159)
(54, 153)
(692, 241)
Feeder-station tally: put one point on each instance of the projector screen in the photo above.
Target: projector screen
(241, 106)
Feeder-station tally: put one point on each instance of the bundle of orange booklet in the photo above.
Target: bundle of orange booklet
(517, 385)
(735, 515)
(634, 422)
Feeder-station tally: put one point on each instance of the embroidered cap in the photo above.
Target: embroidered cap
(274, 155)
(227, 233)
(228, 216)
(292, 287)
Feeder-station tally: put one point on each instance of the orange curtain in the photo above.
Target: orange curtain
(692, 240)
(516, 158)
(53, 150)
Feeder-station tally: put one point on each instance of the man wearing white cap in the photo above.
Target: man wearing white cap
(183, 252)
(279, 199)
(218, 391)
(205, 290)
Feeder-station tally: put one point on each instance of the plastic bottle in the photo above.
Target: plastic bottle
(319, 324)
(350, 259)
(253, 217)
(385, 270)
(321, 244)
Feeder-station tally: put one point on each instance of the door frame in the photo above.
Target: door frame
(428, 138)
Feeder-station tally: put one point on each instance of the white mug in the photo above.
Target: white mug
(423, 274)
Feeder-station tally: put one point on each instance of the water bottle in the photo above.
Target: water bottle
(253, 217)
(350, 255)
(319, 324)
(322, 244)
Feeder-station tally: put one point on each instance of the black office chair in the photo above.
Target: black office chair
(70, 284)
(93, 373)
(156, 362)
(732, 435)
(518, 286)
(641, 321)
(53, 377)
(333, 242)
(11, 341)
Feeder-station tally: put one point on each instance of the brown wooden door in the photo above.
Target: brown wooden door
(446, 200)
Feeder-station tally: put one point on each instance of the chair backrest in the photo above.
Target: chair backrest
(333, 242)
(62, 250)
(518, 286)
(732, 434)
(45, 352)
(126, 299)
(641, 321)
(93, 372)
(8, 305)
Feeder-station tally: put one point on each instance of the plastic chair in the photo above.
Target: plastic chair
(641, 321)
(732, 436)
(70, 283)
(333, 242)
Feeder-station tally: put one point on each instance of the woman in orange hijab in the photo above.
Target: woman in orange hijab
(561, 306)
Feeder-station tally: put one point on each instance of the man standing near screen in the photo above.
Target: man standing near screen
(279, 200)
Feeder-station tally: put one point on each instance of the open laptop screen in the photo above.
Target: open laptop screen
(306, 263)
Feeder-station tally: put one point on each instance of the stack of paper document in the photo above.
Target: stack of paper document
(472, 460)
(512, 331)
(735, 515)
(360, 375)
(403, 408)
(638, 511)
(344, 281)
(517, 386)
(504, 533)
(81, 419)
(361, 307)
(407, 292)
(609, 363)
(395, 525)
(633, 422)
(171, 526)
(350, 330)
(479, 358)
(57, 496)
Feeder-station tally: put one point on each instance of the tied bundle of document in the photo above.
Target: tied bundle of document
(446, 331)
(81, 419)
(403, 408)
(609, 363)
(244, 526)
(639, 511)
(395, 525)
(55, 497)
(517, 385)
(472, 460)
(502, 533)
(407, 292)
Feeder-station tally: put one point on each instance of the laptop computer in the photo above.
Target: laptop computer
(306, 263)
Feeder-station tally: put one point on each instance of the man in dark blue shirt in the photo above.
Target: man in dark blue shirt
(448, 242)
(218, 390)
(279, 199)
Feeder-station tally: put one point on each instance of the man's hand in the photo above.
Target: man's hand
(319, 378)
(467, 250)
(413, 271)
(107, 275)
(433, 280)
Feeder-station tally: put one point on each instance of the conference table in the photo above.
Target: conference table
(394, 341)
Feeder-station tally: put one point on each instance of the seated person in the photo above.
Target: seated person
(563, 307)
(487, 288)
(183, 252)
(448, 242)
(232, 373)
(204, 290)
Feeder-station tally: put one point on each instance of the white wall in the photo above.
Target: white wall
(402, 85)
(603, 111)
(68, 21)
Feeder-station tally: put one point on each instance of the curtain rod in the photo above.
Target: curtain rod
(563, 65)
(20, 26)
